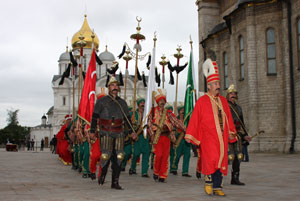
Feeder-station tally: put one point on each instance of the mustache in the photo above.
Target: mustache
(115, 90)
(218, 89)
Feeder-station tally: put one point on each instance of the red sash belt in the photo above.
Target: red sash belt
(165, 131)
(109, 125)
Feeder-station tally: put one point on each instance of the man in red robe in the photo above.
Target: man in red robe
(63, 144)
(211, 126)
(161, 122)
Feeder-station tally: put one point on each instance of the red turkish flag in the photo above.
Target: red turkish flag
(87, 101)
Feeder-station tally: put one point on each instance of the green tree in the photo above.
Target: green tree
(13, 132)
(12, 118)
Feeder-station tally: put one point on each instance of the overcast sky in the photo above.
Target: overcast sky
(34, 34)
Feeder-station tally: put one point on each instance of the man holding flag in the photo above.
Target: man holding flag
(95, 152)
(85, 110)
(182, 147)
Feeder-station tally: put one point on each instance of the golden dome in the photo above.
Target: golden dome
(87, 33)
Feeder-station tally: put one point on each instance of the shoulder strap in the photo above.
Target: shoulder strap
(122, 112)
(161, 122)
(236, 114)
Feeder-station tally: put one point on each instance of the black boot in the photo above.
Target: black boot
(198, 175)
(145, 175)
(162, 180)
(155, 177)
(131, 171)
(186, 175)
(115, 183)
(174, 172)
(235, 179)
(101, 179)
(93, 176)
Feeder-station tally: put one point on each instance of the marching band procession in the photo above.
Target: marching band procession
(164, 107)
(105, 130)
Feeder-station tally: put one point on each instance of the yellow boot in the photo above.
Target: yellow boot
(208, 186)
(219, 192)
(208, 189)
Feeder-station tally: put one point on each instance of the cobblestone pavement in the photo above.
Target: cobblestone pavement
(27, 175)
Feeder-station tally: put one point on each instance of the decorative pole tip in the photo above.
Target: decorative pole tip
(93, 34)
(139, 19)
(191, 41)
(155, 38)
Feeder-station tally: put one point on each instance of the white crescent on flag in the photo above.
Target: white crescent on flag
(91, 93)
(93, 73)
(188, 86)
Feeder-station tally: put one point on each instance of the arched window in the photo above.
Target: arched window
(271, 52)
(225, 62)
(60, 69)
(242, 58)
(64, 100)
(298, 39)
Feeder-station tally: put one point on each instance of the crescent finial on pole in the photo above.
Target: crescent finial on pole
(154, 38)
(139, 19)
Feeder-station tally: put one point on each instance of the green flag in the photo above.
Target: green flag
(189, 100)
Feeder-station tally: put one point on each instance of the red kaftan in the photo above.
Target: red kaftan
(204, 128)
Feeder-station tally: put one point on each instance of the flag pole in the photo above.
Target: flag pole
(73, 83)
(127, 58)
(149, 103)
(82, 43)
(163, 62)
(138, 36)
(178, 56)
(93, 38)
(135, 81)
(195, 91)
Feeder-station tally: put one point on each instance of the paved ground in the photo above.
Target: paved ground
(41, 176)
